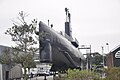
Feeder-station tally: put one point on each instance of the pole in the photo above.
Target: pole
(107, 47)
(90, 58)
(48, 22)
(103, 56)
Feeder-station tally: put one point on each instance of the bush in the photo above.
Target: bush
(112, 74)
(76, 74)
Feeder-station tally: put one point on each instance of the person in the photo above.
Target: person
(31, 75)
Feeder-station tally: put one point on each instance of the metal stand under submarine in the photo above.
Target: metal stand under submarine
(58, 48)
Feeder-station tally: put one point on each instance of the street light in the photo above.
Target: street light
(107, 47)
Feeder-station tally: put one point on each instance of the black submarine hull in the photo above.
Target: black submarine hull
(58, 50)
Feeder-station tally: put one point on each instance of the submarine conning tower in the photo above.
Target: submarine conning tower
(68, 29)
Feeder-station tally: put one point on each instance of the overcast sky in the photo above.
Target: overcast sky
(94, 22)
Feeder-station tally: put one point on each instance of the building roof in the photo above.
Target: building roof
(116, 48)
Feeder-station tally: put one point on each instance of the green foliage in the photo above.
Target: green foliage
(76, 74)
(112, 74)
(24, 59)
(5, 58)
(11, 57)
(97, 59)
(23, 35)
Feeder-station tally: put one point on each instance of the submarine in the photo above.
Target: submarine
(59, 48)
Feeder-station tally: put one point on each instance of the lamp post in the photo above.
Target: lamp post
(107, 47)
(103, 56)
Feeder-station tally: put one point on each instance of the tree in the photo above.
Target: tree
(23, 35)
(97, 59)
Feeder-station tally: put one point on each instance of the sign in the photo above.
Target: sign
(117, 55)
